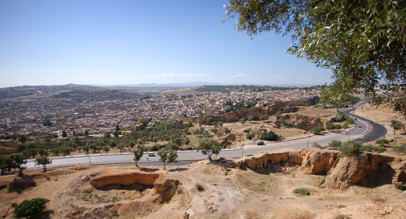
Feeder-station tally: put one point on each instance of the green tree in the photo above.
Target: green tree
(138, 154)
(30, 208)
(106, 149)
(187, 141)
(270, 136)
(278, 115)
(6, 164)
(47, 122)
(22, 138)
(317, 130)
(243, 120)
(250, 118)
(19, 161)
(167, 155)
(86, 149)
(209, 147)
(363, 42)
(44, 161)
(264, 117)
(334, 95)
(396, 125)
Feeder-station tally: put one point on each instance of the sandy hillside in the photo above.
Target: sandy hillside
(226, 193)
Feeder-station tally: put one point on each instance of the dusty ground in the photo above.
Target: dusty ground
(228, 193)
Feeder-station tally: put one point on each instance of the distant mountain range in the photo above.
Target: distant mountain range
(190, 84)
(195, 84)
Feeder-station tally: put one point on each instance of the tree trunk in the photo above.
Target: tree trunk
(45, 168)
(136, 163)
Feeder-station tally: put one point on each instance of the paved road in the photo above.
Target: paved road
(364, 131)
(375, 132)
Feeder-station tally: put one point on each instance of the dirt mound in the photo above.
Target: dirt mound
(318, 161)
(365, 169)
(126, 177)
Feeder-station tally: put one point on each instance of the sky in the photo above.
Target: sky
(124, 42)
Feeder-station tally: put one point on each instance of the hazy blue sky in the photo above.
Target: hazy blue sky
(139, 41)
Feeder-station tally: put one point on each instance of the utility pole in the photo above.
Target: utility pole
(308, 138)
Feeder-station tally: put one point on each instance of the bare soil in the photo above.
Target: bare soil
(227, 193)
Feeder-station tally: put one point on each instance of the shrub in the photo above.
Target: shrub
(401, 187)
(340, 117)
(270, 136)
(317, 130)
(329, 125)
(30, 208)
(264, 117)
(350, 121)
(302, 191)
(342, 216)
(335, 143)
(400, 149)
(368, 148)
(321, 185)
(351, 148)
(380, 149)
(154, 147)
(345, 125)
(199, 187)
(382, 141)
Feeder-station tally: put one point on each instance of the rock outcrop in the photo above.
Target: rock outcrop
(166, 189)
(116, 176)
(400, 173)
(264, 160)
(364, 169)
(301, 121)
(318, 161)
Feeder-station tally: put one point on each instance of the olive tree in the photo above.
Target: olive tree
(167, 155)
(362, 42)
(396, 125)
(44, 161)
(138, 154)
(209, 147)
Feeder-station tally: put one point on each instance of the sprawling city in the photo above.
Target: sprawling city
(161, 109)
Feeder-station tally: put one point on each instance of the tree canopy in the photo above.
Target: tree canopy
(209, 147)
(363, 42)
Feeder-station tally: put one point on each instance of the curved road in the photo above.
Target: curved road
(364, 130)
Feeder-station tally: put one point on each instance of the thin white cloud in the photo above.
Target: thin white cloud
(195, 75)
(238, 76)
